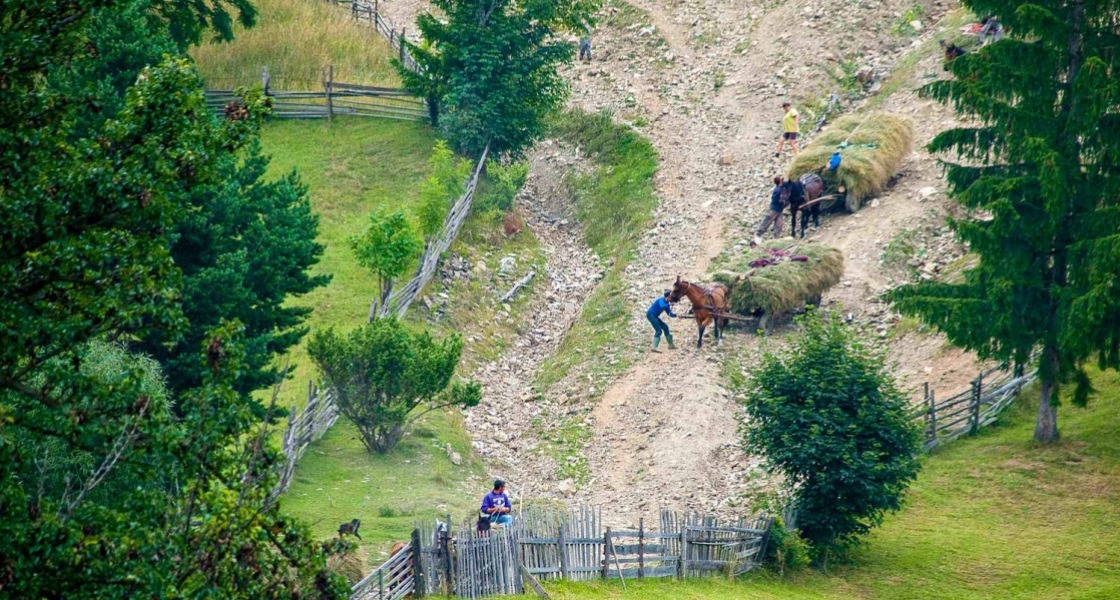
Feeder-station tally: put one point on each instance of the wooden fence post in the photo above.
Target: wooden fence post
(682, 567)
(932, 417)
(417, 567)
(401, 40)
(641, 547)
(977, 389)
(380, 584)
(562, 544)
(445, 546)
(327, 84)
(606, 550)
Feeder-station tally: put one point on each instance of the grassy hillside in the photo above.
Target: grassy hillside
(992, 516)
(295, 39)
(353, 167)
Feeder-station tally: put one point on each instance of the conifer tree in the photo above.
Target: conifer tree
(1038, 175)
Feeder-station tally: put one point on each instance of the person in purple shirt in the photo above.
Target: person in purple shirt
(496, 504)
(654, 316)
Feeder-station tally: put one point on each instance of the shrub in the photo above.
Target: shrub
(381, 372)
(786, 549)
(829, 418)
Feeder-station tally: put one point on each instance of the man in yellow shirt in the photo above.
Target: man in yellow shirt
(790, 127)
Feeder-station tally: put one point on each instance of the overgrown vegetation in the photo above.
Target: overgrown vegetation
(829, 419)
(615, 202)
(296, 40)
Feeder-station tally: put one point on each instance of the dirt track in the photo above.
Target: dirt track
(664, 433)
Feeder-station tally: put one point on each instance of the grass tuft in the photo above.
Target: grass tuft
(295, 40)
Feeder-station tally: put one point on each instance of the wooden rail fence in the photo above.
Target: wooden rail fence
(336, 98)
(966, 412)
(570, 545)
(304, 427)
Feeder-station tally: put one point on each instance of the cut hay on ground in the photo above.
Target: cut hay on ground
(782, 287)
(864, 170)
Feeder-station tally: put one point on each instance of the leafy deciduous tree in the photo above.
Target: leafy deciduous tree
(489, 70)
(827, 416)
(440, 190)
(1040, 178)
(381, 372)
(386, 248)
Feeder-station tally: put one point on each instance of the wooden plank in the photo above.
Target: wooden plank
(527, 577)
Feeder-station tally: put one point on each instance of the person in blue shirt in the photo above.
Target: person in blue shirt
(774, 217)
(654, 315)
(496, 504)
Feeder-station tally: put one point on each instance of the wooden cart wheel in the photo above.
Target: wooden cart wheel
(765, 324)
(852, 202)
(815, 301)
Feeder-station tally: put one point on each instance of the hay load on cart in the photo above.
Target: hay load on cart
(776, 278)
(871, 147)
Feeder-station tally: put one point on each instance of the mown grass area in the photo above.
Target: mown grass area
(295, 40)
(991, 516)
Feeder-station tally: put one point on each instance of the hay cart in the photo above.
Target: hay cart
(770, 281)
(872, 148)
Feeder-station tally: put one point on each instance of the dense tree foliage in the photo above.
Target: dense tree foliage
(245, 244)
(827, 416)
(111, 484)
(381, 372)
(1040, 181)
(489, 69)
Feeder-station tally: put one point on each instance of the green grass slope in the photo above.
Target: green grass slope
(991, 516)
(296, 39)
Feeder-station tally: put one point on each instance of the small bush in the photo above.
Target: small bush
(386, 512)
(501, 186)
(829, 418)
(786, 550)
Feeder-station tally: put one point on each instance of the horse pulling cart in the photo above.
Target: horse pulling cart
(762, 285)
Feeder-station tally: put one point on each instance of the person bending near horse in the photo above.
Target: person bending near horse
(654, 316)
(774, 216)
(496, 505)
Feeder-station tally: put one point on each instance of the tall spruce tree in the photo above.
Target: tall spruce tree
(1039, 176)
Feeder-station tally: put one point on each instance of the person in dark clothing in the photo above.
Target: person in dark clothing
(585, 48)
(774, 216)
(654, 316)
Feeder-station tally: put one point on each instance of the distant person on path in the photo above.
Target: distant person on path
(654, 316)
(791, 125)
(585, 48)
(774, 216)
(496, 505)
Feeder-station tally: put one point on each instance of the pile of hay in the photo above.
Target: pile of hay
(782, 287)
(874, 153)
(350, 564)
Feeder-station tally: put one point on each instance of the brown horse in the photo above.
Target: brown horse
(706, 302)
(812, 187)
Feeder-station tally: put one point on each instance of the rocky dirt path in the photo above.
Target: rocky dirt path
(704, 79)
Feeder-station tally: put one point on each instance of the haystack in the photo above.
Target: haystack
(350, 564)
(780, 282)
(875, 147)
